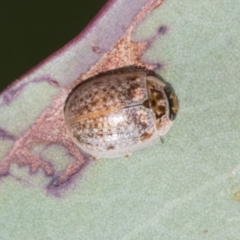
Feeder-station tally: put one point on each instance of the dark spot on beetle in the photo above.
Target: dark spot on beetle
(130, 93)
(90, 134)
(153, 102)
(152, 90)
(156, 94)
(133, 78)
(143, 125)
(110, 147)
(146, 136)
(100, 135)
(159, 96)
(173, 102)
(159, 115)
(163, 29)
(111, 96)
(161, 109)
(109, 131)
(146, 104)
(134, 85)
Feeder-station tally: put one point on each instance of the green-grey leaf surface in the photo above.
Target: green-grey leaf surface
(186, 188)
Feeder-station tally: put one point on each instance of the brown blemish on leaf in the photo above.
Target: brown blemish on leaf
(96, 49)
(6, 135)
(65, 176)
(162, 30)
(49, 127)
(236, 196)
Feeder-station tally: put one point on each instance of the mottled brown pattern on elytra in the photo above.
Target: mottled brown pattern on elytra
(118, 95)
(125, 118)
(135, 121)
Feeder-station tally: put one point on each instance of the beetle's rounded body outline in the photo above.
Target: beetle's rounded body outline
(114, 115)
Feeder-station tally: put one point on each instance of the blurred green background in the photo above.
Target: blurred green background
(33, 30)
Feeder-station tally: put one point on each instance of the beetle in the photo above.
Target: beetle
(116, 114)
